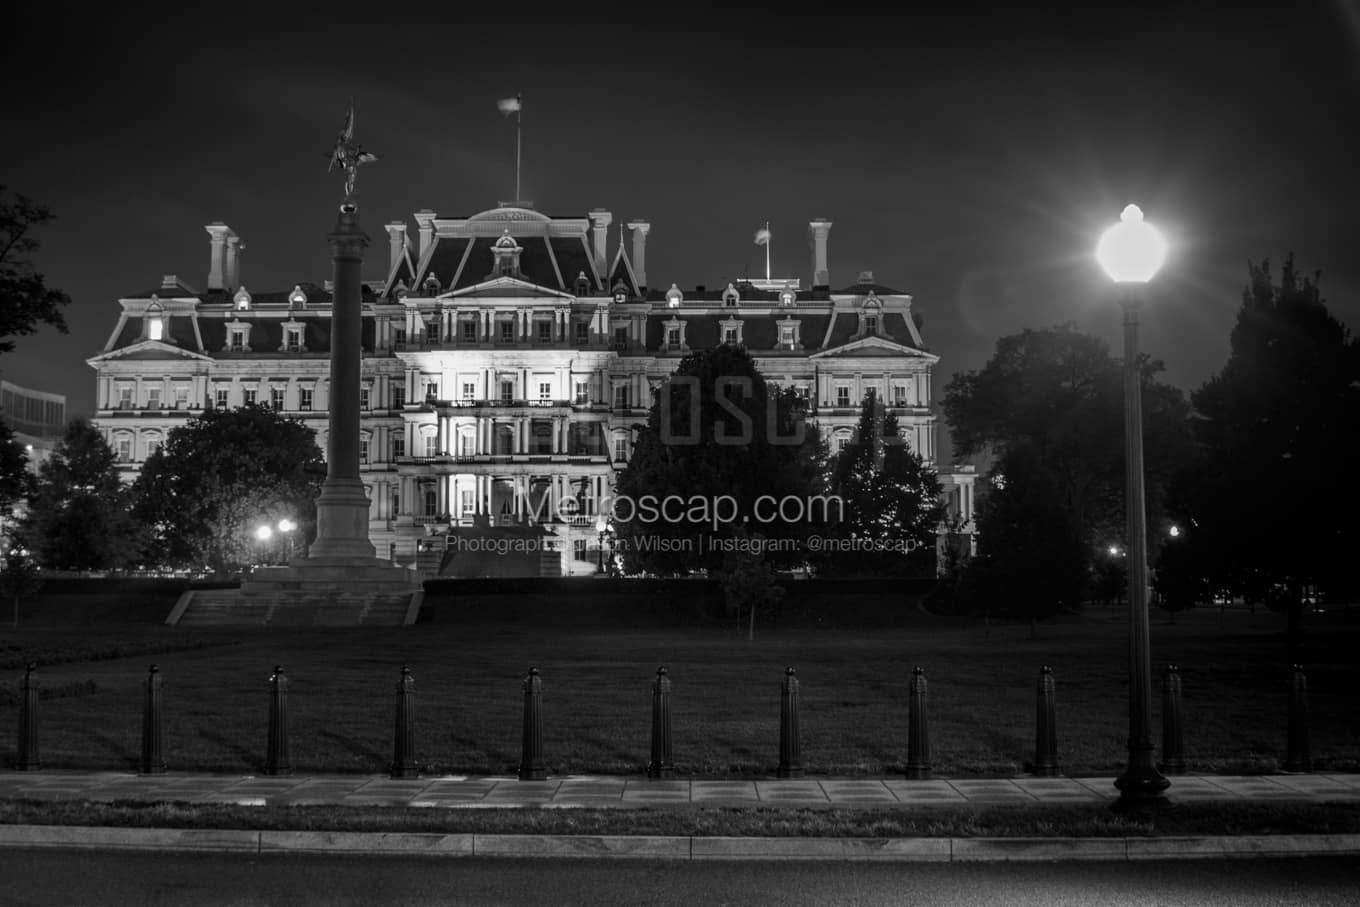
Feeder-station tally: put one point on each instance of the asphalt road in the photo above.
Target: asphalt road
(72, 878)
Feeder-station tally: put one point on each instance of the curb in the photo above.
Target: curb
(678, 847)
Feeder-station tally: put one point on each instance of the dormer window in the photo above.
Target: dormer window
(241, 299)
(789, 338)
(674, 297)
(297, 299)
(431, 286)
(620, 292)
(731, 297)
(787, 297)
(870, 324)
(582, 284)
(292, 338)
(507, 252)
(869, 316)
(675, 335)
(238, 337)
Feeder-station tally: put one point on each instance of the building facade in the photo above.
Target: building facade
(507, 358)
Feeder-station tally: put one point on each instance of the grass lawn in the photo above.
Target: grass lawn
(725, 700)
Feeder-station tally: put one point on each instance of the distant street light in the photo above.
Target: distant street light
(286, 526)
(600, 526)
(1131, 252)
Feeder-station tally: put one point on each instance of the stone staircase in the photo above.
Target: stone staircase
(328, 608)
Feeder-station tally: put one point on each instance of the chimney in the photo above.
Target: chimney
(425, 220)
(817, 232)
(600, 220)
(233, 268)
(640, 230)
(396, 235)
(219, 233)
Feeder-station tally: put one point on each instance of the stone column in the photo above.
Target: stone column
(342, 508)
(640, 230)
(396, 235)
(818, 231)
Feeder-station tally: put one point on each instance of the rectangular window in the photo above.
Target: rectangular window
(399, 336)
(363, 398)
(398, 446)
(842, 395)
(582, 393)
(294, 343)
(432, 331)
(673, 338)
(465, 502)
(465, 444)
(841, 444)
(223, 398)
(870, 324)
(899, 395)
(276, 398)
(304, 398)
(729, 335)
(248, 396)
(507, 332)
(621, 449)
(363, 451)
(152, 446)
(621, 337)
(582, 332)
(580, 551)
(181, 396)
(469, 332)
(124, 449)
(238, 340)
(125, 396)
(621, 397)
(398, 396)
(153, 398)
(432, 390)
(786, 336)
(544, 390)
(507, 391)
(545, 331)
(469, 391)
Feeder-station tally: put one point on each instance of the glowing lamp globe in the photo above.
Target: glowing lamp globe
(1131, 251)
(263, 533)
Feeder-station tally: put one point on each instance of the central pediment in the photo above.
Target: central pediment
(504, 288)
(874, 348)
(149, 350)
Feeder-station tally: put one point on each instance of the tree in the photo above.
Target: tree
(25, 299)
(1060, 392)
(18, 577)
(1032, 561)
(15, 479)
(78, 517)
(890, 507)
(718, 440)
(219, 475)
(1280, 409)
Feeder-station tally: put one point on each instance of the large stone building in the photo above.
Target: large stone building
(506, 358)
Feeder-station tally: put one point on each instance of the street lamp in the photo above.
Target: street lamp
(600, 526)
(264, 533)
(1131, 252)
(286, 526)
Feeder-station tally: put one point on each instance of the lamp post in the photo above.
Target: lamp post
(599, 564)
(286, 526)
(263, 534)
(1131, 252)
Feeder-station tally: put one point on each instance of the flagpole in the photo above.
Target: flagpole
(519, 125)
(767, 251)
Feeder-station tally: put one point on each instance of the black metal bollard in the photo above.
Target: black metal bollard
(1298, 760)
(276, 760)
(918, 730)
(1173, 742)
(531, 767)
(661, 765)
(404, 744)
(790, 751)
(28, 722)
(1045, 728)
(152, 761)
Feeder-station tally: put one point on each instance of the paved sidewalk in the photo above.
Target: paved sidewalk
(615, 791)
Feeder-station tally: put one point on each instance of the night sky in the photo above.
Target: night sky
(969, 158)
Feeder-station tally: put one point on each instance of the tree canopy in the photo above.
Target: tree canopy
(1060, 392)
(25, 299)
(219, 475)
(15, 479)
(78, 516)
(890, 504)
(1268, 504)
(717, 439)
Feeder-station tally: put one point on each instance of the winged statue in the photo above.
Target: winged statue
(348, 155)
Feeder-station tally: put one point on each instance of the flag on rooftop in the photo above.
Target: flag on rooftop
(762, 236)
(510, 105)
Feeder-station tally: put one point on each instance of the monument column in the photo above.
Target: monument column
(342, 508)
